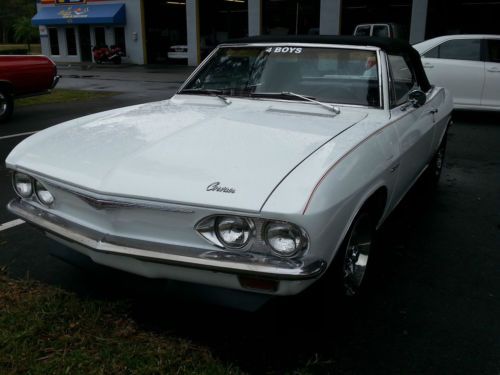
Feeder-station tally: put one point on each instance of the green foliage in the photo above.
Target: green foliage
(24, 32)
(10, 12)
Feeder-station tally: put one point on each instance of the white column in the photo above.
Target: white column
(418, 21)
(254, 17)
(44, 35)
(329, 17)
(193, 32)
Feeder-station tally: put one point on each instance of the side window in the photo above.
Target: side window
(403, 79)
(493, 50)
(433, 53)
(381, 30)
(459, 49)
(362, 30)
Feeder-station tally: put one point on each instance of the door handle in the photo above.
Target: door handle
(494, 70)
(393, 168)
(427, 65)
(434, 110)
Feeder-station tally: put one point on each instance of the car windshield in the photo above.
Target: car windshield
(333, 75)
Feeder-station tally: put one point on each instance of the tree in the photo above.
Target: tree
(24, 32)
(10, 12)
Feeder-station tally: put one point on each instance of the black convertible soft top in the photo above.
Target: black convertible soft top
(391, 46)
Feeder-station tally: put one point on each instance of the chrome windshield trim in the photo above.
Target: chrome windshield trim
(293, 101)
(378, 51)
(298, 44)
(231, 262)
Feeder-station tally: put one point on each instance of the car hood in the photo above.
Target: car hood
(191, 149)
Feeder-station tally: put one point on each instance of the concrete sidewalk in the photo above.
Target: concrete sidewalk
(155, 82)
(151, 73)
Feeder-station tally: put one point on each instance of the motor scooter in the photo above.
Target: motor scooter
(107, 55)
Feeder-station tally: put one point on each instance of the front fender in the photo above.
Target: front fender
(326, 204)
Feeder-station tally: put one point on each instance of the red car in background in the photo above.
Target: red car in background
(22, 76)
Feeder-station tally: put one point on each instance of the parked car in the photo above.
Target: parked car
(271, 167)
(384, 30)
(468, 66)
(22, 76)
(178, 52)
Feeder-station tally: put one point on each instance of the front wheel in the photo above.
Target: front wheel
(356, 253)
(6, 105)
(347, 276)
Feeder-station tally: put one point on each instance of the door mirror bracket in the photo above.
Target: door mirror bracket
(416, 98)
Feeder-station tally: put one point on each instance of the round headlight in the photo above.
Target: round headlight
(233, 231)
(43, 195)
(23, 185)
(285, 239)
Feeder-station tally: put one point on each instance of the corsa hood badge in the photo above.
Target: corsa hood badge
(215, 186)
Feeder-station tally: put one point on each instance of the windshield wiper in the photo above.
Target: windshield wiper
(311, 99)
(211, 92)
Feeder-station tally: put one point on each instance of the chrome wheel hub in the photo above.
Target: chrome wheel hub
(3, 104)
(356, 255)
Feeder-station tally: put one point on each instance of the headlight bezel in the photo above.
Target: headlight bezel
(37, 187)
(16, 190)
(250, 233)
(301, 237)
(37, 193)
(257, 242)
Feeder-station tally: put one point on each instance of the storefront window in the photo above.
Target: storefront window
(71, 41)
(120, 38)
(100, 37)
(54, 41)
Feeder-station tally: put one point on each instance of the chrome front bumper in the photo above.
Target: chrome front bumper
(158, 253)
(55, 81)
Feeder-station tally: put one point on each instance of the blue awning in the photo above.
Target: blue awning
(106, 14)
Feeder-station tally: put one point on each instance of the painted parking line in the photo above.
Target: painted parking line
(18, 135)
(11, 224)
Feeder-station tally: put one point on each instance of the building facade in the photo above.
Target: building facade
(147, 29)
(70, 29)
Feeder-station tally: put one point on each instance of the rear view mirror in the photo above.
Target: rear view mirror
(417, 98)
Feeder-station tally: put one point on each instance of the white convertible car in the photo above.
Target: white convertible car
(270, 168)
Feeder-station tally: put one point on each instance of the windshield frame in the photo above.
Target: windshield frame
(377, 50)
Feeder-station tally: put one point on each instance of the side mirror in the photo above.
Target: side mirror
(417, 98)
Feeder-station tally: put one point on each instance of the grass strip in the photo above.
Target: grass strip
(45, 330)
(35, 48)
(63, 96)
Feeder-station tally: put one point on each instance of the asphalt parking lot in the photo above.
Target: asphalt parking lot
(434, 301)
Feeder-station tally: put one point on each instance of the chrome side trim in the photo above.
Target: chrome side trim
(103, 204)
(103, 201)
(212, 260)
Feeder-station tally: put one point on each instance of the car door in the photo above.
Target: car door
(456, 65)
(491, 92)
(414, 126)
